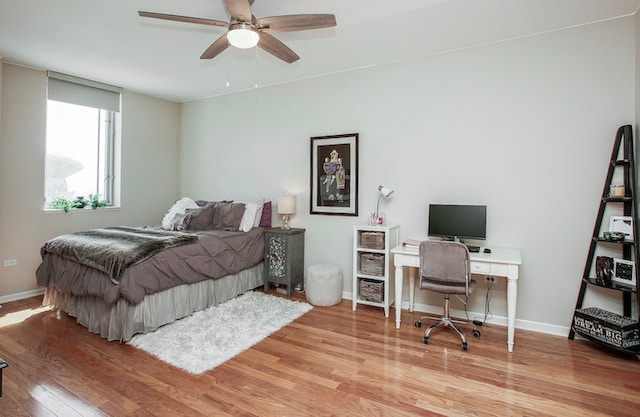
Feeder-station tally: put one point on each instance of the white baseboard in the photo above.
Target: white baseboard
(534, 326)
(21, 295)
(552, 329)
(547, 328)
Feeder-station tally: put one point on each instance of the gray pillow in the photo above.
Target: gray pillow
(199, 219)
(228, 216)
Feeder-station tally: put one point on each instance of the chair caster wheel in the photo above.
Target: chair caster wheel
(426, 340)
(418, 324)
(476, 333)
(464, 346)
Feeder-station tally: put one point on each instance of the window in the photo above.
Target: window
(82, 124)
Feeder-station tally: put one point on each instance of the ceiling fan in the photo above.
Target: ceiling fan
(245, 31)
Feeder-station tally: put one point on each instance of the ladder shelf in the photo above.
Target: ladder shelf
(621, 332)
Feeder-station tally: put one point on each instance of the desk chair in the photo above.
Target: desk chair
(445, 268)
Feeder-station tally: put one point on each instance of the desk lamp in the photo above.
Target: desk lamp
(384, 193)
(286, 206)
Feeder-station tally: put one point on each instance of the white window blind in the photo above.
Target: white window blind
(74, 90)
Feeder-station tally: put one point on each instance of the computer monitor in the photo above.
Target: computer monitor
(457, 221)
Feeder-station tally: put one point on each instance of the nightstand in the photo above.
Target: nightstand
(284, 258)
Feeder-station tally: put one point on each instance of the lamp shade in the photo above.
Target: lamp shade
(243, 36)
(287, 204)
(386, 192)
(383, 192)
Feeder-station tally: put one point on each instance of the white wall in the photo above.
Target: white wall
(524, 126)
(149, 173)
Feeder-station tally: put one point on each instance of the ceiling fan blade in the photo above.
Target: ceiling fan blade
(186, 19)
(277, 48)
(239, 10)
(295, 22)
(216, 48)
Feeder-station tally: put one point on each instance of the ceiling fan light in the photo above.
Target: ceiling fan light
(243, 36)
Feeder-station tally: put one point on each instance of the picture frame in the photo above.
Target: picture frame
(624, 272)
(622, 224)
(334, 175)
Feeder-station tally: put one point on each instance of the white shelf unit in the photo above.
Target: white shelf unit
(377, 244)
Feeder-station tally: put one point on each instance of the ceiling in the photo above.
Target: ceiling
(107, 41)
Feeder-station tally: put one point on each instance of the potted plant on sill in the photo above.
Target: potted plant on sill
(94, 202)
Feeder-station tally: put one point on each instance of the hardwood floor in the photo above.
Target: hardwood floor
(330, 362)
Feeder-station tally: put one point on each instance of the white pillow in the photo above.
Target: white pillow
(249, 216)
(179, 207)
(256, 222)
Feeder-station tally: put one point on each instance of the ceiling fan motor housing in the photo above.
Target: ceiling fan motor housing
(243, 35)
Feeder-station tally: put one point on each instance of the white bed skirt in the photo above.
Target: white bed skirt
(122, 320)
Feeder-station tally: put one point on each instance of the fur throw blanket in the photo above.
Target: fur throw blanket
(113, 249)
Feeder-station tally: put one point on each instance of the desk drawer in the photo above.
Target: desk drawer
(499, 270)
(483, 268)
(480, 268)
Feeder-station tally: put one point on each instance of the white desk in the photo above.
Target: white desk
(501, 262)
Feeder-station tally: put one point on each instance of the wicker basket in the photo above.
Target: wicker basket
(372, 240)
(372, 264)
(371, 290)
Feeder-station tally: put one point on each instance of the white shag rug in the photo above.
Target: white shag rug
(210, 337)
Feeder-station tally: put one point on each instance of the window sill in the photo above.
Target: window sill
(78, 210)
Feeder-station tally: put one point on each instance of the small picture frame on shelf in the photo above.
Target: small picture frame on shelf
(624, 272)
(623, 224)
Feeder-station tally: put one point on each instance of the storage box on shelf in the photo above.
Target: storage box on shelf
(371, 290)
(372, 240)
(372, 265)
(607, 327)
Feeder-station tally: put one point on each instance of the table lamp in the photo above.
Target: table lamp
(384, 192)
(286, 207)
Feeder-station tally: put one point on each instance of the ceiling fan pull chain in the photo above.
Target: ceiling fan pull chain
(255, 85)
(228, 70)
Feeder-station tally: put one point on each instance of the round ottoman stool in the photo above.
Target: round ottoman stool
(323, 284)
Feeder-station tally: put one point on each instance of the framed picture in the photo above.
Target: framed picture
(622, 224)
(624, 272)
(334, 175)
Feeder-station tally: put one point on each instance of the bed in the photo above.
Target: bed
(211, 258)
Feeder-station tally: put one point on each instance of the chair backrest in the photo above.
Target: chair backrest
(444, 262)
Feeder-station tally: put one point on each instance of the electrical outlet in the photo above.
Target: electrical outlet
(489, 280)
(10, 262)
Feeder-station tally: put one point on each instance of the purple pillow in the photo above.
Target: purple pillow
(265, 220)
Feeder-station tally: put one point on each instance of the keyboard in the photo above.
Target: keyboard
(473, 248)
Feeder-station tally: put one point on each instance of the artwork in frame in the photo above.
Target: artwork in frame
(622, 224)
(334, 175)
(624, 272)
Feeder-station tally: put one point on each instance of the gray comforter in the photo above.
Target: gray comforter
(215, 254)
(114, 249)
